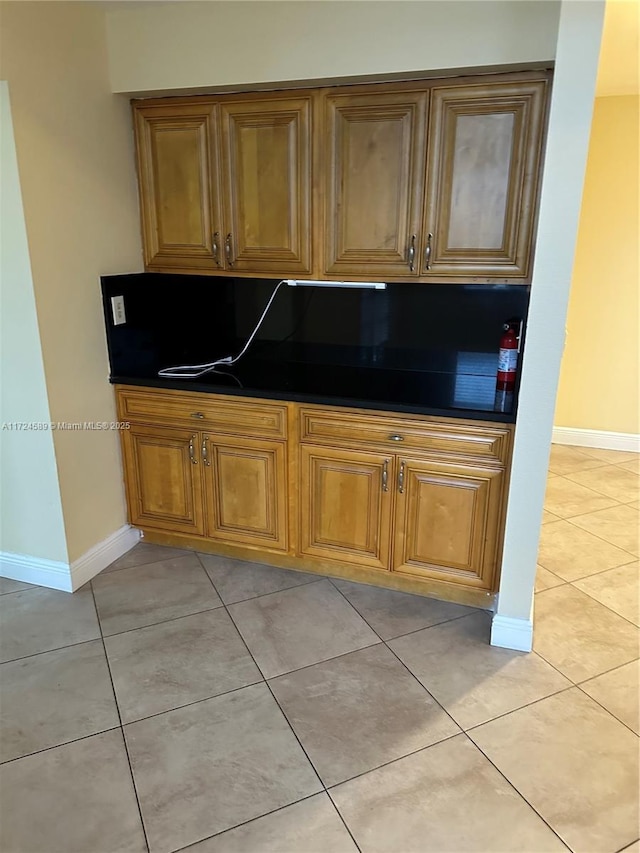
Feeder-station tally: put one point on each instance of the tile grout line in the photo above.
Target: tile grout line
(586, 577)
(600, 603)
(56, 649)
(115, 728)
(578, 684)
(124, 739)
(519, 793)
(192, 844)
(286, 719)
(415, 677)
(615, 717)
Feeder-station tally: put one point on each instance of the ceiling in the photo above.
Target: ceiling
(619, 70)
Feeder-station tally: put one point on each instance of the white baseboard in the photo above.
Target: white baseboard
(510, 633)
(628, 441)
(102, 555)
(60, 575)
(49, 573)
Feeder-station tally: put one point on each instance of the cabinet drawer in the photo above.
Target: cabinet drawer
(466, 440)
(214, 413)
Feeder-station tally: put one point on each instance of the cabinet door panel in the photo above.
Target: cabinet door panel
(164, 487)
(447, 522)
(178, 185)
(246, 484)
(374, 182)
(344, 511)
(484, 155)
(267, 164)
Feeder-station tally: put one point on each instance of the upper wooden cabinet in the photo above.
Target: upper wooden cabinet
(178, 180)
(374, 166)
(226, 187)
(266, 157)
(484, 155)
(432, 181)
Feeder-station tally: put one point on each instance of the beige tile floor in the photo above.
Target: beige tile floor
(188, 701)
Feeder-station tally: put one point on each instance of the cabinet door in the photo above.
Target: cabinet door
(345, 506)
(246, 488)
(267, 174)
(484, 153)
(163, 478)
(446, 522)
(375, 151)
(178, 179)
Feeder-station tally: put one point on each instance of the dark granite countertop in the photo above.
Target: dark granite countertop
(426, 350)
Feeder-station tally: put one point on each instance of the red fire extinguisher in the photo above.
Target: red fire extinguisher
(507, 360)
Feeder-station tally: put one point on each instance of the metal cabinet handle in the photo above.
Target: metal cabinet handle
(427, 252)
(227, 249)
(411, 254)
(401, 479)
(192, 451)
(197, 415)
(216, 248)
(396, 438)
(205, 454)
(385, 476)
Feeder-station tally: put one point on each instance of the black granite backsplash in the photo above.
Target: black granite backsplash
(411, 347)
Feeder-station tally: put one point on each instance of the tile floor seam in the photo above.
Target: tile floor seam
(414, 630)
(382, 642)
(124, 739)
(518, 792)
(564, 689)
(591, 677)
(55, 649)
(615, 716)
(286, 719)
(189, 704)
(594, 488)
(150, 563)
(316, 579)
(247, 822)
(413, 675)
(593, 512)
(595, 574)
(628, 846)
(601, 603)
(613, 669)
(117, 727)
(329, 788)
(161, 622)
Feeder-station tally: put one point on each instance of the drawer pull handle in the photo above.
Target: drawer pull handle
(396, 438)
(401, 479)
(197, 415)
(205, 454)
(192, 452)
(385, 476)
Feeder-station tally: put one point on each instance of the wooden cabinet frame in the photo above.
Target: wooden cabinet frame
(325, 219)
(320, 488)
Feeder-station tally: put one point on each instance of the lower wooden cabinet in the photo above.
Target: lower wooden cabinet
(234, 491)
(446, 521)
(337, 496)
(164, 484)
(246, 491)
(345, 506)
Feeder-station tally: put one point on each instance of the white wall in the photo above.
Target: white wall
(168, 46)
(30, 506)
(567, 145)
(74, 145)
